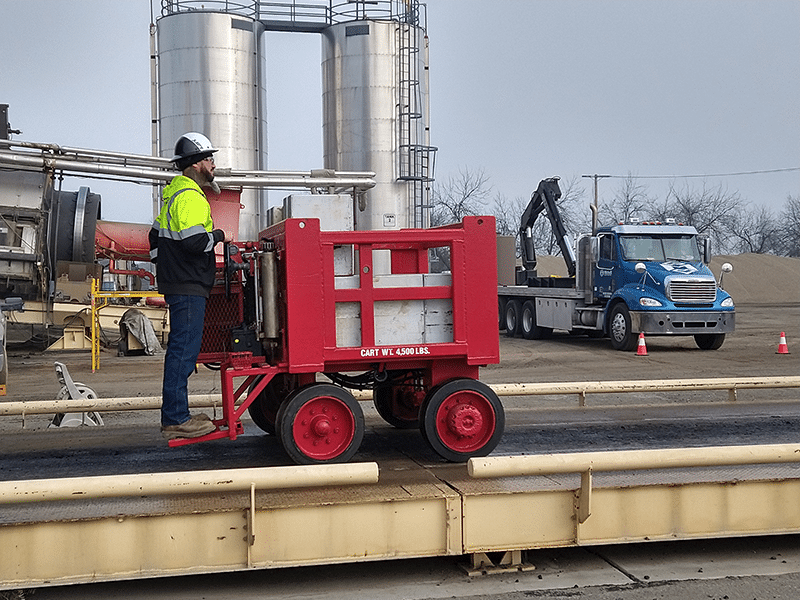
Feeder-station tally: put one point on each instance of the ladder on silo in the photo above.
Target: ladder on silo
(416, 159)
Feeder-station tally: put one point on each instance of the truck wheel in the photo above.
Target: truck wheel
(530, 330)
(622, 337)
(501, 310)
(320, 423)
(709, 341)
(513, 317)
(461, 419)
(395, 405)
(264, 409)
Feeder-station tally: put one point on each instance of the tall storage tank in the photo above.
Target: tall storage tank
(374, 87)
(210, 79)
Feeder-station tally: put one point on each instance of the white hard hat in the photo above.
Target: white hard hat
(190, 148)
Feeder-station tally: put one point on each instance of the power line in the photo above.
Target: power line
(764, 171)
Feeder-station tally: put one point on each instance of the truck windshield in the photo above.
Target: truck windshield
(659, 248)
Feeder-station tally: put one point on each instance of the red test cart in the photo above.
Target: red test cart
(361, 309)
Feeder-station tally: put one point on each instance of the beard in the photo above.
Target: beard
(207, 173)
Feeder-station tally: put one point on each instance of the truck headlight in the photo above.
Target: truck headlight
(649, 302)
(727, 302)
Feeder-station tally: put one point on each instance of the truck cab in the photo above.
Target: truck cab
(622, 280)
(655, 279)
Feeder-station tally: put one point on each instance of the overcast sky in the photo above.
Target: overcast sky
(522, 89)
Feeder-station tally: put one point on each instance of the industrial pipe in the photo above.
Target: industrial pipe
(187, 482)
(503, 389)
(45, 162)
(164, 172)
(631, 460)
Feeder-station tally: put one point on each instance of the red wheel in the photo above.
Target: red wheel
(461, 419)
(264, 408)
(320, 423)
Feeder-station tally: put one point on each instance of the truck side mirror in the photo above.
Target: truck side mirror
(726, 268)
(706, 250)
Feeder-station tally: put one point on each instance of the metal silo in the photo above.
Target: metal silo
(210, 79)
(375, 113)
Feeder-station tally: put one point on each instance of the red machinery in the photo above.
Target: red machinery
(301, 302)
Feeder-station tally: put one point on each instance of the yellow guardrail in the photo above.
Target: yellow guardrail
(100, 300)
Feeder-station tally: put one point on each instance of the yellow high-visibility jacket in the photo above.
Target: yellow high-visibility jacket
(182, 241)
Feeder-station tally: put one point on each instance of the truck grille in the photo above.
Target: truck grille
(692, 291)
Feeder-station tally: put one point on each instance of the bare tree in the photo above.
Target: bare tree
(507, 212)
(709, 210)
(465, 194)
(790, 228)
(462, 195)
(753, 231)
(631, 199)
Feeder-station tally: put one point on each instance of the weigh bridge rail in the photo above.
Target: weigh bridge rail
(401, 511)
(581, 388)
(187, 482)
(587, 463)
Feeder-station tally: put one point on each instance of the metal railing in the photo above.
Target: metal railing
(309, 15)
(187, 482)
(23, 408)
(587, 463)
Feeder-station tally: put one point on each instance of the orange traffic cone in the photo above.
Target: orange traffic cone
(782, 347)
(641, 350)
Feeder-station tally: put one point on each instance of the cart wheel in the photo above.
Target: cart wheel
(396, 405)
(264, 409)
(320, 423)
(461, 419)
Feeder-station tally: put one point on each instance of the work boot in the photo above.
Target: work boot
(194, 427)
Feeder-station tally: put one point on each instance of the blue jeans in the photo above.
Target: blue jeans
(186, 316)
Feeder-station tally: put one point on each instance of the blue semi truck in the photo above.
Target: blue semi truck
(631, 278)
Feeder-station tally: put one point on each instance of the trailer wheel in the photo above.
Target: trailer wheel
(264, 409)
(530, 330)
(501, 310)
(513, 317)
(320, 423)
(461, 419)
(709, 341)
(396, 405)
(619, 330)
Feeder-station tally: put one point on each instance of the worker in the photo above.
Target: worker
(182, 242)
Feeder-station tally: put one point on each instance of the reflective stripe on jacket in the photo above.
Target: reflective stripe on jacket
(182, 240)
